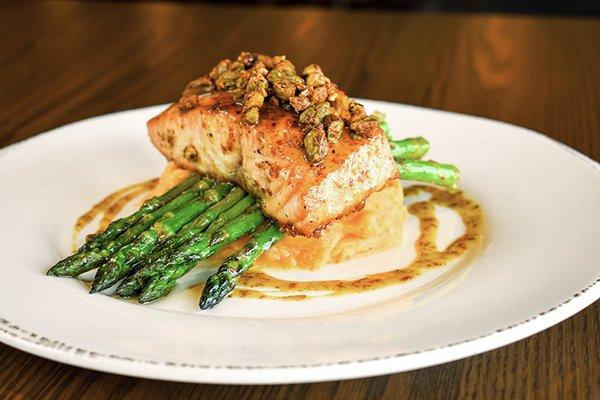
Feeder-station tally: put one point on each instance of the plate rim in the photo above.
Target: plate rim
(55, 350)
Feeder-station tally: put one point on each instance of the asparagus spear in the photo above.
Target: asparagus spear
(120, 263)
(429, 171)
(204, 220)
(168, 227)
(120, 225)
(190, 253)
(160, 285)
(220, 284)
(238, 209)
(407, 153)
(194, 249)
(232, 229)
(224, 211)
(134, 283)
(409, 148)
(88, 260)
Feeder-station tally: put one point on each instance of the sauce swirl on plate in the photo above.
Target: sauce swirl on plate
(254, 284)
(110, 206)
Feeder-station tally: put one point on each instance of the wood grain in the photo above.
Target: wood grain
(62, 62)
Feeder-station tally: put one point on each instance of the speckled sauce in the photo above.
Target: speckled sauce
(260, 285)
(109, 207)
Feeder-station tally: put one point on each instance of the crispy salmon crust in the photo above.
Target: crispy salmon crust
(268, 160)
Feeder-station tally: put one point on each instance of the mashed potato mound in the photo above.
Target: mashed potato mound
(378, 226)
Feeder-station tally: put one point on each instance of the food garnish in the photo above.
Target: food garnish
(323, 109)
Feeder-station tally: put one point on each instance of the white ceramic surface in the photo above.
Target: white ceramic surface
(540, 263)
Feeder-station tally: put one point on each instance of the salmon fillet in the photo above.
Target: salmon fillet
(268, 160)
(377, 227)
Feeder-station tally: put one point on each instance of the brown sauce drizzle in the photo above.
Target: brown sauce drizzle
(110, 206)
(256, 284)
(428, 256)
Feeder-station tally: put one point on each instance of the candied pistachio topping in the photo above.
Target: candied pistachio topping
(314, 76)
(324, 110)
(256, 92)
(315, 144)
(335, 127)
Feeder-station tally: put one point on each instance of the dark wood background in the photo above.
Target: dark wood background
(62, 62)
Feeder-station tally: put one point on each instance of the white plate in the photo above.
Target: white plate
(539, 264)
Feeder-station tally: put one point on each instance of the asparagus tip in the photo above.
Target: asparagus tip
(150, 297)
(60, 272)
(97, 286)
(65, 267)
(127, 289)
(146, 299)
(156, 289)
(206, 304)
(208, 301)
(103, 279)
(217, 287)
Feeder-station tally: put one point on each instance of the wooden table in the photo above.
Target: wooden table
(62, 62)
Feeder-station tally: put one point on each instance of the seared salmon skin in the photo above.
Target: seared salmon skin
(268, 160)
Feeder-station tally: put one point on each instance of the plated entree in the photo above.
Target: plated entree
(269, 165)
